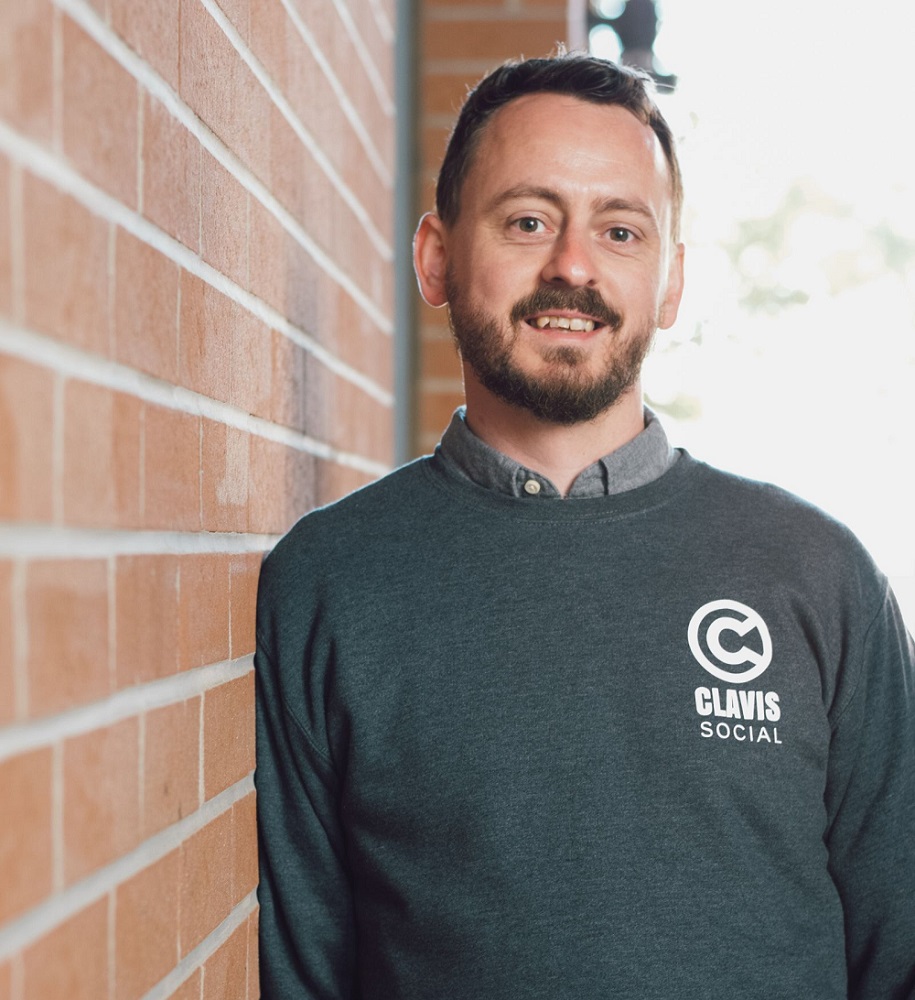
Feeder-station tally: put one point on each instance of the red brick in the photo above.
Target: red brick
(433, 142)
(436, 408)
(26, 441)
(102, 431)
(499, 39)
(66, 267)
(444, 93)
(293, 369)
(207, 318)
(25, 834)
(285, 486)
(203, 610)
(171, 784)
(228, 734)
(225, 477)
(433, 318)
(146, 602)
(253, 964)
(6, 245)
(219, 87)
(101, 798)
(72, 961)
(192, 988)
(225, 351)
(150, 29)
(206, 881)
(145, 308)
(244, 571)
(223, 221)
(171, 173)
(272, 38)
(439, 359)
(335, 481)
(26, 85)
(7, 626)
(225, 973)
(239, 13)
(67, 614)
(100, 115)
(172, 464)
(252, 382)
(146, 927)
(245, 866)
(269, 252)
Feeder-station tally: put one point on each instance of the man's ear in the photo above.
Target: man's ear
(670, 304)
(430, 259)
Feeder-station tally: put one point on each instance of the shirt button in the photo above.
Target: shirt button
(532, 487)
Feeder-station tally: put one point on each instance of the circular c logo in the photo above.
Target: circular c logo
(747, 621)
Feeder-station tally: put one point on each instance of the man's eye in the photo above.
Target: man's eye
(528, 225)
(620, 235)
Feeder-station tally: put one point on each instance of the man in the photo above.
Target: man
(559, 712)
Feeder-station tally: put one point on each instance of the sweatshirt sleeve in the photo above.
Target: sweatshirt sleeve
(307, 934)
(870, 799)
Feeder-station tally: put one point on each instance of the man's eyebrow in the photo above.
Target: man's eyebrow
(526, 191)
(633, 205)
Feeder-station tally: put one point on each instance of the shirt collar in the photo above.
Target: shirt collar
(640, 461)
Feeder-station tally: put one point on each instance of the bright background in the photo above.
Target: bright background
(794, 357)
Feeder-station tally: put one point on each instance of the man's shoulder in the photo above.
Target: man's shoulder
(780, 529)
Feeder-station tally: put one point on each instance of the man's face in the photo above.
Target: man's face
(560, 266)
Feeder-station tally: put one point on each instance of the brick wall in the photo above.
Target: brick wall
(460, 42)
(195, 347)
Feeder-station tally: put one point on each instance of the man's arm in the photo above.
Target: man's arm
(870, 798)
(307, 935)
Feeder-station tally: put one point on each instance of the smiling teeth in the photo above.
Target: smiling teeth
(564, 323)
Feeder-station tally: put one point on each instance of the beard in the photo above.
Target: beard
(566, 393)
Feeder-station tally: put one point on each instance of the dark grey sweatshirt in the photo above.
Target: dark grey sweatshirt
(658, 745)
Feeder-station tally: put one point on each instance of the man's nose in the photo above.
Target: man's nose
(571, 260)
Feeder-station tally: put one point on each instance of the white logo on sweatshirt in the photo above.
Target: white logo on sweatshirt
(707, 629)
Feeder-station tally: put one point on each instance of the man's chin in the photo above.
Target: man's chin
(557, 397)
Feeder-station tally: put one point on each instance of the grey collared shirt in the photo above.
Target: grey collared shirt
(645, 458)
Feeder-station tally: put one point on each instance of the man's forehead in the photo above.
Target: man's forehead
(545, 140)
(592, 119)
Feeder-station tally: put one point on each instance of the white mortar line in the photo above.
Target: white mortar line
(73, 362)
(51, 730)
(305, 137)
(208, 946)
(39, 541)
(58, 908)
(381, 90)
(87, 19)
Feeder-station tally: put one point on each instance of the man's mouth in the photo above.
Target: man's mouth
(575, 324)
(578, 310)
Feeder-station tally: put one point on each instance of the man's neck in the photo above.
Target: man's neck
(559, 452)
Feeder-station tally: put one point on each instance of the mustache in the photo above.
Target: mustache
(585, 300)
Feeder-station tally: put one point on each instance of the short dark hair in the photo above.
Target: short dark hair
(577, 74)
